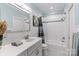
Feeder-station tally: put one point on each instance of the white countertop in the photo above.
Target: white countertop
(9, 50)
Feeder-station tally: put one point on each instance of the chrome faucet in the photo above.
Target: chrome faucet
(26, 37)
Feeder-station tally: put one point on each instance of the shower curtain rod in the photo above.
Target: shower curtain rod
(53, 21)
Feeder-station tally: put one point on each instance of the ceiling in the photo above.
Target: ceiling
(44, 8)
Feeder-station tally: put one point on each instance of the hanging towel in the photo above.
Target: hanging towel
(40, 29)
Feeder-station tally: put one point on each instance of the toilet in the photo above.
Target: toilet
(44, 49)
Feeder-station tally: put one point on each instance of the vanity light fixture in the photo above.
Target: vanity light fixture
(22, 6)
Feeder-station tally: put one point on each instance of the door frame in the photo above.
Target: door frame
(71, 28)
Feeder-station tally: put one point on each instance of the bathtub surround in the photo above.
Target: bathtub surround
(54, 33)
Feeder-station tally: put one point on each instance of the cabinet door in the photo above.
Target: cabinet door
(37, 52)
(34, 47)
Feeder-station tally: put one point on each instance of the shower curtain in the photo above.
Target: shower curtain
(40, 29)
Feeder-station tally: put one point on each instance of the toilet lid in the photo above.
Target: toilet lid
(44, 45)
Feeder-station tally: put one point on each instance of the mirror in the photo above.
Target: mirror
(18, 22)
(17, 19)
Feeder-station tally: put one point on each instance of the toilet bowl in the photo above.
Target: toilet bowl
(44, 49)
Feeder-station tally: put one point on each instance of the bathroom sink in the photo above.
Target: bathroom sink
(30, 39)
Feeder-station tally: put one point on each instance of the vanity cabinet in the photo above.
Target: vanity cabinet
(32, 47)
(34, 50)
(37, 52)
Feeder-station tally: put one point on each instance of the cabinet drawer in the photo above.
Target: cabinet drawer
(34, 47)
(37, 52)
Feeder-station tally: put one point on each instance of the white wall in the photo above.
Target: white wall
(37, 13)
(74, 26)
(76, 12)
(75, 16)
(34, 30)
